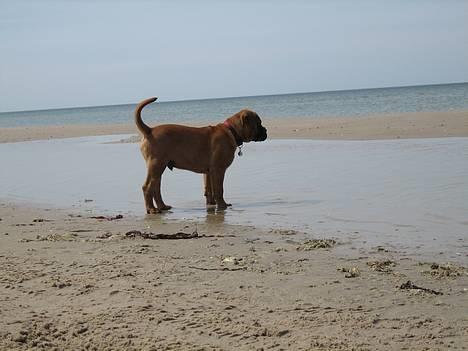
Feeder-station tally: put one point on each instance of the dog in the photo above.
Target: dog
(208, 150)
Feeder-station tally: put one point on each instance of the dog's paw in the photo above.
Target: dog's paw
(152, 211)
(223, 206)
(164, 208)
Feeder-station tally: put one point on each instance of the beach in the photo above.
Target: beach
(74, 282)
(83, 277)
(344, 228)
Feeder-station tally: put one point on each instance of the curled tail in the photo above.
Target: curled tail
(144, 129)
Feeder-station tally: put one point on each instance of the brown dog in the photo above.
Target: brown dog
(208, 150)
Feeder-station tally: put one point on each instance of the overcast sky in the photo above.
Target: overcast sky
(84, 53)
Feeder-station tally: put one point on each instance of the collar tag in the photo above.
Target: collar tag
(240, 150)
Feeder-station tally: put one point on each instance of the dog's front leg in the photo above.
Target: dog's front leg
(208, 190)
(217, 180)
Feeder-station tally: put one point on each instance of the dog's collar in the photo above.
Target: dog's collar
(236, 136)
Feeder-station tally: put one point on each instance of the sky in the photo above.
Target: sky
(74, 53)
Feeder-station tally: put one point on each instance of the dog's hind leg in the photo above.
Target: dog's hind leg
(158, 170)
(152, 187)
(148, 192)
(208, 190)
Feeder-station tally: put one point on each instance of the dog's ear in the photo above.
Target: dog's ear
(244, 118)
(247, 124)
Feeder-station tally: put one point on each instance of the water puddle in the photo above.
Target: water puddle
(401, 193)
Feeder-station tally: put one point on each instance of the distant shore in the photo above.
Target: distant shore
(374, 127)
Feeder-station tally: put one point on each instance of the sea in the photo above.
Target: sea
(345, 103)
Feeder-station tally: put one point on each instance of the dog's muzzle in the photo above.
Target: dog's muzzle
(261, 134)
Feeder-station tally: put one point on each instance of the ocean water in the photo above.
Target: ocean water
(308, 105)
(403, 194)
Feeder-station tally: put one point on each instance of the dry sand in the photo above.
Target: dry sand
(405, 125)
(70, 282)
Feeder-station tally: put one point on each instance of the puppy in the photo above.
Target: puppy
(208, 150)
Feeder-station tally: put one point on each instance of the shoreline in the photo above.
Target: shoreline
(376, 127)
(70, 280)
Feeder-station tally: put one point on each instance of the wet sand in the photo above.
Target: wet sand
(71, 282)
(394, 126)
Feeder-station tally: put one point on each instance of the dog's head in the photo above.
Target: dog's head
(251, 126)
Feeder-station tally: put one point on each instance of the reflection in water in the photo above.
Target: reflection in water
(214, 217)
(405, 193)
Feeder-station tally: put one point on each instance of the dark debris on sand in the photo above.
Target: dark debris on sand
(410, 285)
(154, 236)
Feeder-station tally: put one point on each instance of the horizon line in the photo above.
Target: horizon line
(236, 97)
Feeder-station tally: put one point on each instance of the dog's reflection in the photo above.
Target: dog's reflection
(214, 217)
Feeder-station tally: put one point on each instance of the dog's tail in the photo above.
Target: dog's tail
(144, 129)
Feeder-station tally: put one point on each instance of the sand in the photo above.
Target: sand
(394, 126)
(70, 282)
